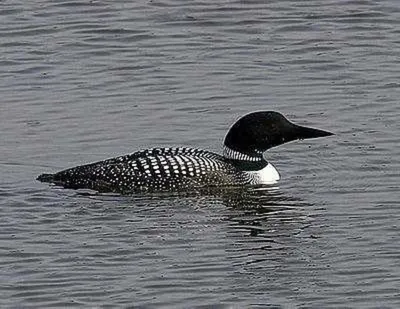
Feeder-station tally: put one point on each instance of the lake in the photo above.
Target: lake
(82, 81)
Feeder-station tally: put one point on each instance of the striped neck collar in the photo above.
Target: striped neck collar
(236, 155)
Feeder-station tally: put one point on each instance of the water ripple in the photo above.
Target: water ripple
(87, 80)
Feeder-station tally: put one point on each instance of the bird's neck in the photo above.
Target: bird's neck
(245, 162)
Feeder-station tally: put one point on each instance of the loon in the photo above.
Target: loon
(179, 169)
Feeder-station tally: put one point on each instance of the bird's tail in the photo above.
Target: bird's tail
(46, 178)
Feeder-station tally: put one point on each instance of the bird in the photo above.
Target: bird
(172, 169)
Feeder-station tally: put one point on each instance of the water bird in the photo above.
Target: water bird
(180, 168)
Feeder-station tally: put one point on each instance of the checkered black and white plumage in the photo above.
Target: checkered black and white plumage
(236, 155)
(157, 169)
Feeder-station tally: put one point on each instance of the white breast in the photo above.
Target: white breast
(267, 175)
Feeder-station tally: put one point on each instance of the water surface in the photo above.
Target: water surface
(81, 81)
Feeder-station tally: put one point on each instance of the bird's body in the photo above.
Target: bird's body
(162, 169)
(178, 169)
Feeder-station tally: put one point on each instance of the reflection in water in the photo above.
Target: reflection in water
(246, 206)
(264, 212)
(252, 209)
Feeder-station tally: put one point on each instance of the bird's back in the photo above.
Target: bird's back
(157, 169)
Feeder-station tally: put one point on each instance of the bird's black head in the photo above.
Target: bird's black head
(256, 132)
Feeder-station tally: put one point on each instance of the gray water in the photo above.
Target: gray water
(82, 81)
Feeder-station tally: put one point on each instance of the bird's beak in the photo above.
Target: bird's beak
(306, 132)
